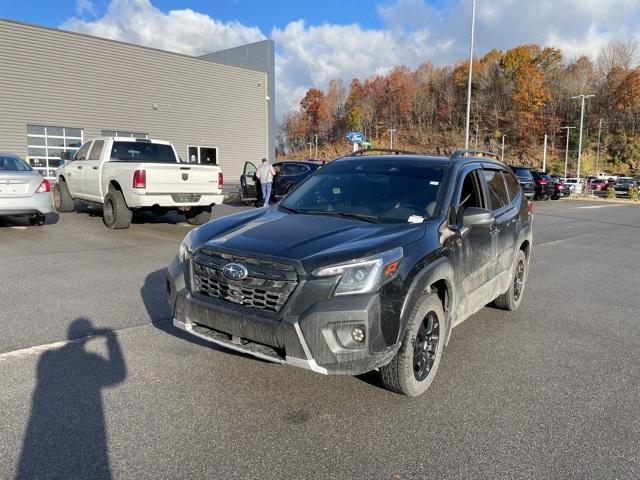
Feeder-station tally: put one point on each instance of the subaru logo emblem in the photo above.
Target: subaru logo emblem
(235, 271)
(185, 176)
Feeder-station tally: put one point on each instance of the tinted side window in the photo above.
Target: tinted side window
(82, 153)
(513, 186)
(498, 196)
(470, 194)
(96, 150)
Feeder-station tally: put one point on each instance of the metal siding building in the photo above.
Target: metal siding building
(80, 86)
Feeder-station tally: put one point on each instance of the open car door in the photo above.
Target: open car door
(248, 184)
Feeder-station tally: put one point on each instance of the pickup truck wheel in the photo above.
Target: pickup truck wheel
(511, 299)
(414, 367)
(62, 199)
(115, 213)
(198, 215)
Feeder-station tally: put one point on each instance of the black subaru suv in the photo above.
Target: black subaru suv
(368, 264)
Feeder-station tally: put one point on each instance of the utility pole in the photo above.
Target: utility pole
(582, 98)
(473, 29)
(391, 132)
(566, 151)
(316, 137)
(476, 142)
(309, 143)
(502, 153)
(598, 154)
(544, 155)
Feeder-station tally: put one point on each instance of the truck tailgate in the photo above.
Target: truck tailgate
(181, 178)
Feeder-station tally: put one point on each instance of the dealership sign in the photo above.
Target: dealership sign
(355, 137)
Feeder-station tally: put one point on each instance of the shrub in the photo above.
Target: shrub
(633, 193)
(611, 192)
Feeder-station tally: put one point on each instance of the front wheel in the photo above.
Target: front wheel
(414, 367)
(115, 213)
(511, 299)
(198, 215)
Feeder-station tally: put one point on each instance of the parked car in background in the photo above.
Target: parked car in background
(125, 174)
(560, 190)
(526, 181)
(576, 187)
(23, 191)
(288, 174)
(598, 185)
(622, 186)
(544, 188)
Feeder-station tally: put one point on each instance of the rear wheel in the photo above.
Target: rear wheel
(62, 199)
(198, 215)
(115, 213)
(38, 220)
(414, 367)
(511, 299)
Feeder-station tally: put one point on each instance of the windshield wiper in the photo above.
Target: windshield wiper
(357, 216)
(290, 210)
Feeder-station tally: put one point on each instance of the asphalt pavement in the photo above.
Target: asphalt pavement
(549, 391)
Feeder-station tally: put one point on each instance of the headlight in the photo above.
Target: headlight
(364, 275)
(185, 247)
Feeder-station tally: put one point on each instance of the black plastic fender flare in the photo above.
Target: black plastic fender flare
(440, 269)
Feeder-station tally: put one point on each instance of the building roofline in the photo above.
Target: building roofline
(129, 44)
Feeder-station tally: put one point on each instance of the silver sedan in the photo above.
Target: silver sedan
(23, 191)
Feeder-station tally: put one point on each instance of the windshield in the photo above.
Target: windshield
(142, 152)
(370, 189)
(10, 163)
(523, 173)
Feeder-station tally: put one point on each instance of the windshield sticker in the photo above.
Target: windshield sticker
(434, 183)
(415, 219)
(336, 191)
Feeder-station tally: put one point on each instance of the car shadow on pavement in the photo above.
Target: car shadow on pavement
(66, 435)
(172, 218)
(52, 219)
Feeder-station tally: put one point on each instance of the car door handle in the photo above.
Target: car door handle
(79, 167)
(95, 168)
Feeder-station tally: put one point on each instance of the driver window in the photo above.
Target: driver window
(470, 195)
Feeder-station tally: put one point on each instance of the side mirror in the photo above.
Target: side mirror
(477, 217)
(66, 155)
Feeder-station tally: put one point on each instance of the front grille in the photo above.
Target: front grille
(267, 287)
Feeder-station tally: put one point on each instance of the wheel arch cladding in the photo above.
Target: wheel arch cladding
(436, 277)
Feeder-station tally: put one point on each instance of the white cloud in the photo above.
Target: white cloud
(414, 31)
(183, 31)
(85, 6)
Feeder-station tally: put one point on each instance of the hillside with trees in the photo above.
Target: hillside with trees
(523, 93)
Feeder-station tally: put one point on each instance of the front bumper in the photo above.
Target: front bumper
(140, 200)
(38, 203)
(316, 339)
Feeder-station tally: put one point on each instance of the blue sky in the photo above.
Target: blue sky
(317, 41)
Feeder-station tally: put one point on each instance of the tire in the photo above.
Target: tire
(38, 220)
(62, 199)
(115, 213)
(555, 197)
(511, 299)
(413, 368)
(198, 215)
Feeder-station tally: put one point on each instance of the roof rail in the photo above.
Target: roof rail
(390, 151)
(473, 153)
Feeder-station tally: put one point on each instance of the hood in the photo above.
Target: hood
(314, 240)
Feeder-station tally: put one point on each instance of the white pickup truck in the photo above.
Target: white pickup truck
(127, 174)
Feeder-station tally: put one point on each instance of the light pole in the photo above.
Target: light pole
(566, 152)
(544, 155)
(391, 132)
(582, 97)
(316, 137)
(310, 143)
(473, 29)
(502, 151)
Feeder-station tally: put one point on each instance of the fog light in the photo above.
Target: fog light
(357, 333)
